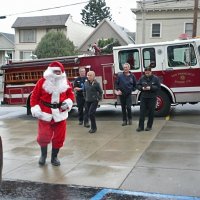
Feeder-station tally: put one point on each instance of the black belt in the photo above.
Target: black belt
(52, 105)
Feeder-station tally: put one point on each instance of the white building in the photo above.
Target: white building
(164, 20)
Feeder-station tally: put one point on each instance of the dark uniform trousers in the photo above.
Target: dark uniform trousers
(90, 110)
(126, 103)
(147, 106)
(81, 104)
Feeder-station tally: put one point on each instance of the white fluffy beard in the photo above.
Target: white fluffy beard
(55, 83)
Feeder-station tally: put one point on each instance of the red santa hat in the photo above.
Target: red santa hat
(57, 66)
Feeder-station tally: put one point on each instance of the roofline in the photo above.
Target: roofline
(7, 38)
(95, 30)
(68, 16)
(137, 10)
(36, 26)
(157, 43)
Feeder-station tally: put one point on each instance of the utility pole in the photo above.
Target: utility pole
(143, 21)
(196, 9)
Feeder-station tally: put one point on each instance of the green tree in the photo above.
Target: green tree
(94, 12)
(55, 44)
(106, 45)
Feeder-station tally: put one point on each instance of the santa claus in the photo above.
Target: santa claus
(51, 101)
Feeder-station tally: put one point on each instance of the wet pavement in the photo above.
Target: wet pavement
(23, 190)
(161, 164)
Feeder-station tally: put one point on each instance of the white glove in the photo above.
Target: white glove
(64, 106)
(36, 111)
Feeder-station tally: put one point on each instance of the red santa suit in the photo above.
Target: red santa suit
(51, 101)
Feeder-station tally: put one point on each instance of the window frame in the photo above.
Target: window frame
(22, 53)
(26, 38)
(160, 28)
(152, 57)
(125, 54)
(173, 55)
(186, 31)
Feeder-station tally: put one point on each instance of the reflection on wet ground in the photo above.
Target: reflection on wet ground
(22, 190)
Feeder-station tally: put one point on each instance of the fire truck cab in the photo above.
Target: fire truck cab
(176, 63)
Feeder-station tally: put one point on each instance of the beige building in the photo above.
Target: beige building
(6, 52)
(159, 20)
(30, 30)
(6, 47)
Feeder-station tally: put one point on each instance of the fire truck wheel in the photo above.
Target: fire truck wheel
(163, 104)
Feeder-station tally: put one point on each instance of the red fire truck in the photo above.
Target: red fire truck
(176, 63)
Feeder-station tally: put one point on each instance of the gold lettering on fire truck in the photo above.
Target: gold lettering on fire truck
(183, 77)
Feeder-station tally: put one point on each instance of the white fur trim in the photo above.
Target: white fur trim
(49, 73)
(59, 116)
(46, 117)
(55, 97)
(36, 111)
(55, 68)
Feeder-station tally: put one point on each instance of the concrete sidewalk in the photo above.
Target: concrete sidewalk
(165, 160)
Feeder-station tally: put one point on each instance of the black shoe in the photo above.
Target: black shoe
(80, 123)
(42, 160)
(139, 129)
(55, 161)
(87, 125)
(148, 129)
(92, 130)
(124, 123)
(130, 122)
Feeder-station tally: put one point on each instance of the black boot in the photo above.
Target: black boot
(54, 159)
(43, 156)
(124, 123)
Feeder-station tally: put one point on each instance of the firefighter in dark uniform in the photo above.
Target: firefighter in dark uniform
(78, 88)
(149, 85)
(125, 84)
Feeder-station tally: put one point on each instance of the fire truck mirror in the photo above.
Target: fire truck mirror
(77, 60)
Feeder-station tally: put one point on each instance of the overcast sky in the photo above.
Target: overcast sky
(120, 10)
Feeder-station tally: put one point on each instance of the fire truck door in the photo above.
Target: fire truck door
(108, 82)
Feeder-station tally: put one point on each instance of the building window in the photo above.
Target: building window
(25, 55)
(55, 29)
(156, 30)
(189, 29)
(28, 36)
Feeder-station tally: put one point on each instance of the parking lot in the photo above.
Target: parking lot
(114, 163)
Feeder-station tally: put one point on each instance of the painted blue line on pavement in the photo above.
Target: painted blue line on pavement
(102, 193)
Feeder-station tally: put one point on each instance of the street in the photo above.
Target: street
(114, 163)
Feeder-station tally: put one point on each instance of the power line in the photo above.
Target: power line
(56, 7)
(153, 2)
